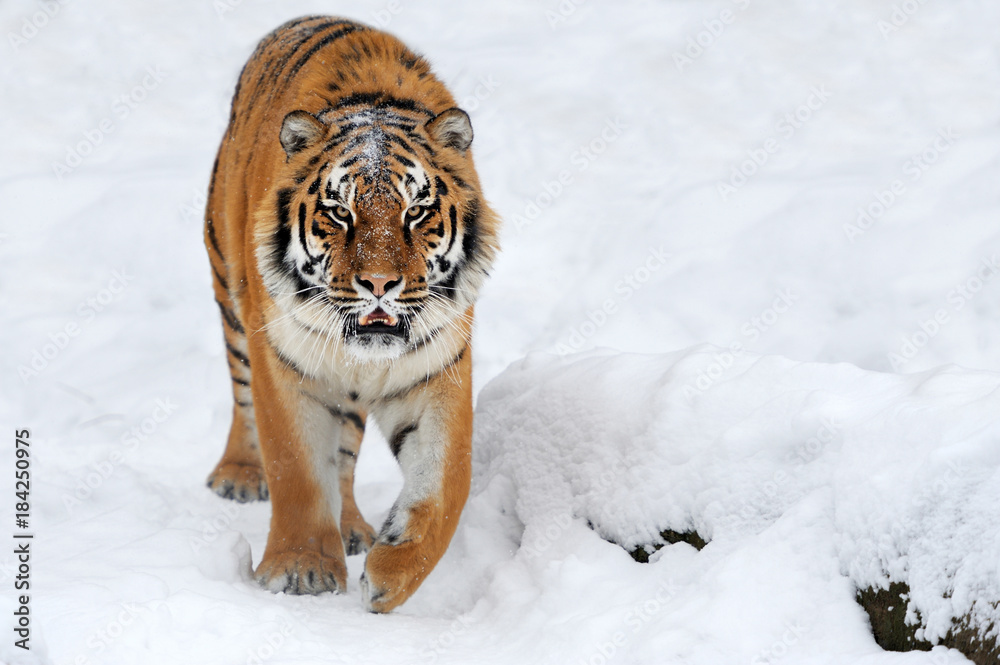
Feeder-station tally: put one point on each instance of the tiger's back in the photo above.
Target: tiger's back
(348, 239)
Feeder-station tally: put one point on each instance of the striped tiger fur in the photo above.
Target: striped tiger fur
(348, 239)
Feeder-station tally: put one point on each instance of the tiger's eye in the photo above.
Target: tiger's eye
(414, 213)
(342, 213)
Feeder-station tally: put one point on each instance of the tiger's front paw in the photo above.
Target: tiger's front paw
(302, 572)
(392, 574)
(240, 482)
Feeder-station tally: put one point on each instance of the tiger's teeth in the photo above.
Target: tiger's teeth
(378, 316)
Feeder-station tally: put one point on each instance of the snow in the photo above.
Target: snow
(803, 473)
(769, 316)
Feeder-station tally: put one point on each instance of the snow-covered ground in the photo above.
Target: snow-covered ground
(809, 188)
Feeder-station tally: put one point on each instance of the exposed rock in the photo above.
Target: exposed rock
(886, 610)
(642, 553)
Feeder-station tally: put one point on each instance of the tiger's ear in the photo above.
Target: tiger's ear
(299, 130)
(452, 128)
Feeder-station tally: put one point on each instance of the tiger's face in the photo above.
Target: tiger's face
(376, 246)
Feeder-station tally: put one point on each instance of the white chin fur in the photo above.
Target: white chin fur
(374, 351)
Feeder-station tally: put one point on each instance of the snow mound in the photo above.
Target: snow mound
(780, 464)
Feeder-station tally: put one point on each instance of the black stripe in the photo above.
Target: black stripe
(408, 59)
(313, 260)
(289, 364)
(407, 234)
(453, 216)
(327, 39)
(282, 239)
(357, 98)
(407, 127)
(334, 141)
(349, 234)
(314, 187)
(230, 319)
(210, 227)
(442, 189)
(351, 161)
(454, 176)
(470, 230)
(419, 140)
(282, 234)
(318, 231)
(424, 191)
(347, 416)
(293, 38)
(400, 142)
(399, 438)
(403, 160)
(383, 101)
(218, 276)
(426, 340)
(284, 204)
(238, 354)
(402, 393)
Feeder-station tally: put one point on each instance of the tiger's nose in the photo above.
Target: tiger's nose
(379, 284)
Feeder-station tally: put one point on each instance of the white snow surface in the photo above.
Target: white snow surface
(816, 394)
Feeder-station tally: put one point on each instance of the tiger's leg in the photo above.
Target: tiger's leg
(432, 440)
(357, 533)
(299, 443)
(239, 474)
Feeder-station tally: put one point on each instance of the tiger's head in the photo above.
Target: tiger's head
(380, 237)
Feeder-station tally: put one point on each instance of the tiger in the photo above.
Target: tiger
(348, 239)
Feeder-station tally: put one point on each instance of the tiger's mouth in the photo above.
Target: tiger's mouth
(378, 318)
(377, 322)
